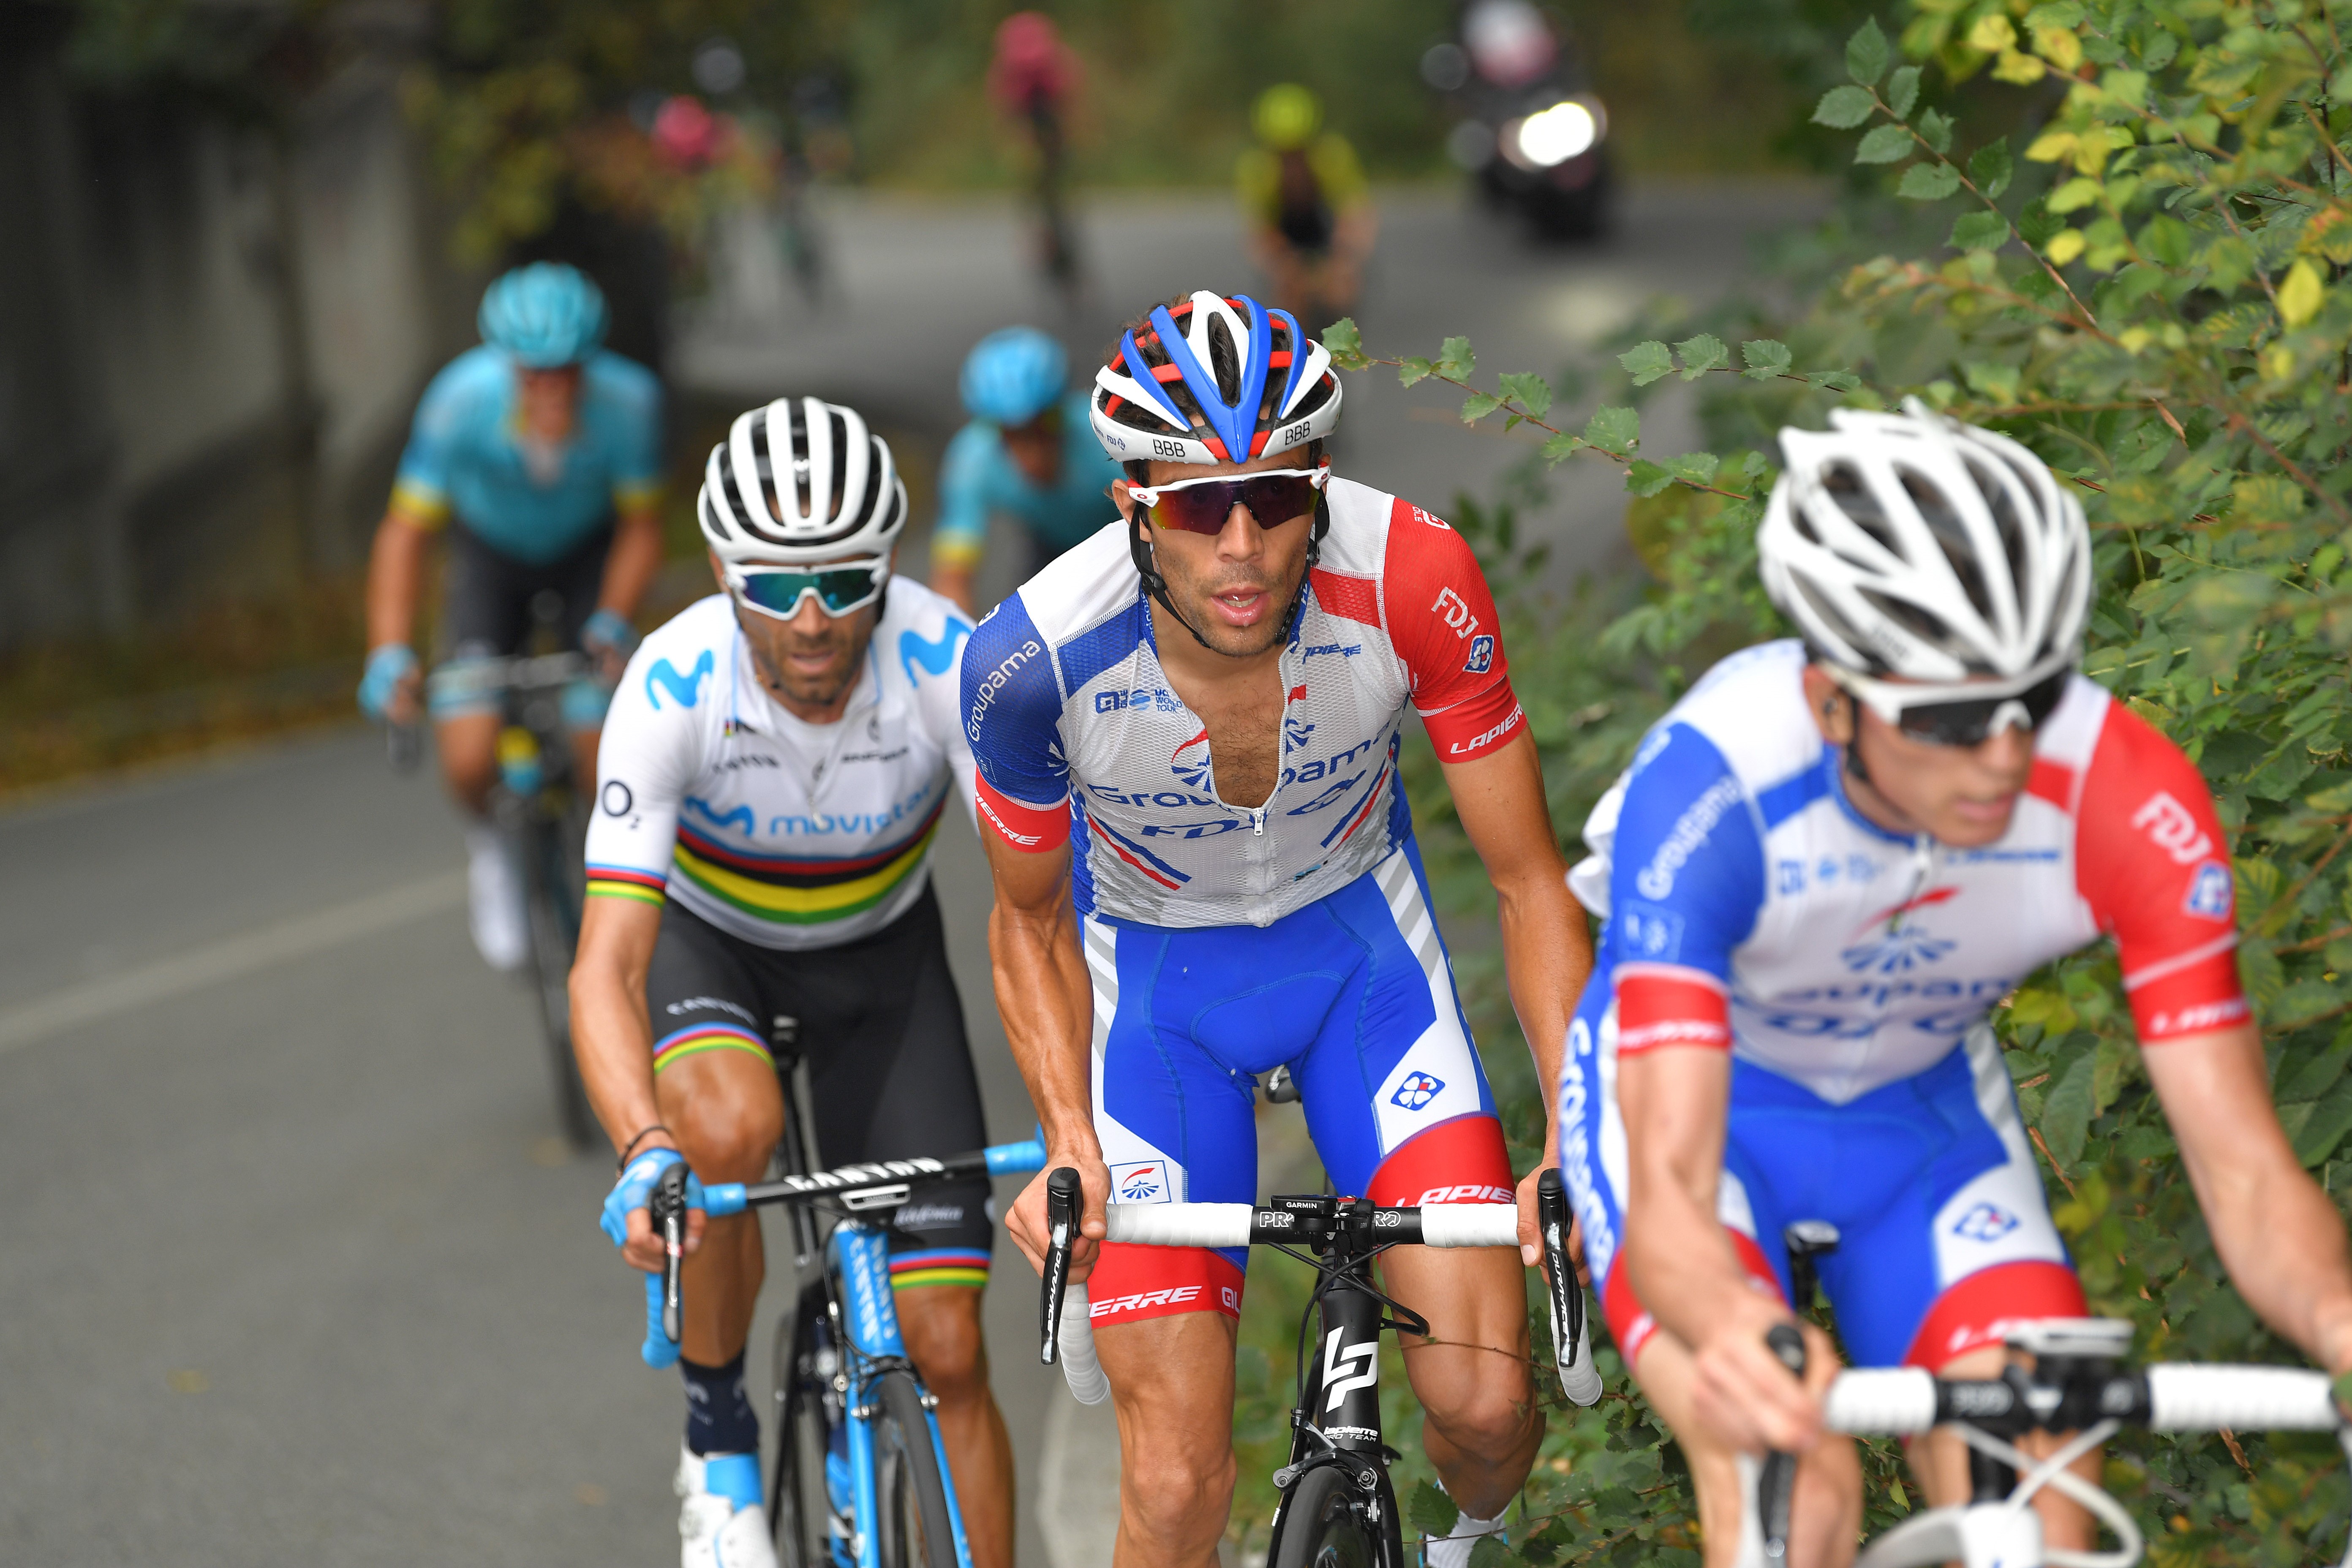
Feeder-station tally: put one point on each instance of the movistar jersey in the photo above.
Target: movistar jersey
(1750, 906)
(1080, 739)
(466, 455)
(784, 833)
(978, 477)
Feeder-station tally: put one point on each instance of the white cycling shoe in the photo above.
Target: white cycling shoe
(719, 1528)
(501, 927)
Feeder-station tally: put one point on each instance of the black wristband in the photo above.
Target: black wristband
(630, 1146)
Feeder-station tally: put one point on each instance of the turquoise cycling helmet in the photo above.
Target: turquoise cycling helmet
(1013, 376)
(545, 314)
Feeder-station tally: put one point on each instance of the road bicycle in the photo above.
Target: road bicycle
(1338, 1508)
(2078, 1383)
(860, 1480)
(542, 814)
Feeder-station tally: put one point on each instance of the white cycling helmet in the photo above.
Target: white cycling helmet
(834, 493)
(1913, 545)
(1215, 380)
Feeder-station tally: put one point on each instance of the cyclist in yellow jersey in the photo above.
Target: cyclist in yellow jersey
(1310, 212)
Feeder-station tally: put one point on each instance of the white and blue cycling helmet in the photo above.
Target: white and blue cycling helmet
(1213, 379)
(1012, 375)
(545, 314)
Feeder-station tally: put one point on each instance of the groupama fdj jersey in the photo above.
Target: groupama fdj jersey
(1223, 941)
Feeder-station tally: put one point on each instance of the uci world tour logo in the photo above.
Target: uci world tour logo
(1417, 1090)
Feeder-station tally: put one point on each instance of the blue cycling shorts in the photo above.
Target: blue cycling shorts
(1354, 995)
(1945, 1240)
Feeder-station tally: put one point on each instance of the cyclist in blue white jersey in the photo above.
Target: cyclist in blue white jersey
(1026, 453)
(1825, 867)
(1187, 732)
(544, 451)
(777, 760)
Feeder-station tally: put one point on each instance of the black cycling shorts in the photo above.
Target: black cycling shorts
(485, 602)
(881, 1028)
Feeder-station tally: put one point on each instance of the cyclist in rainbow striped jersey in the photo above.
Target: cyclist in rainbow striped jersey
(775, 764)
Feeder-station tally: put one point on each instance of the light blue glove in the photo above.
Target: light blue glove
(386, 667)
(608, 631)
(635, 1191)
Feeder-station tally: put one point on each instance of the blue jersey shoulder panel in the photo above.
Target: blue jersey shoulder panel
(1013, 709)
(1687, 868)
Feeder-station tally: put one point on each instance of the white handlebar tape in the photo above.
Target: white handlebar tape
(1470, 1224)
(1882, 1402)
(1179, 1224)
(1079, 1366)
(2187, 1399)
(1582, 1382)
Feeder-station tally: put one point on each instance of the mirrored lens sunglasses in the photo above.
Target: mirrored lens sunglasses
(778, 591)
(1941, 716)
(1274, 497)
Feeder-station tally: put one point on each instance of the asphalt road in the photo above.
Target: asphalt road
(295, 1271)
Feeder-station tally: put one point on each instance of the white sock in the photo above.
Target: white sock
(1453, 1550)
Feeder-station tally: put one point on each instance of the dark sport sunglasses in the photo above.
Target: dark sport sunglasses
(1201, 506)
(1959, 715)
(778, 591)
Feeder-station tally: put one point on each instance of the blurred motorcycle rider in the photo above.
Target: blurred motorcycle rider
(1310, 213)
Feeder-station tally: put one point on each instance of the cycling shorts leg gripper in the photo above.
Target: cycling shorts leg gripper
(1961, 1245)
(1593, 1166)
(1175, 1126)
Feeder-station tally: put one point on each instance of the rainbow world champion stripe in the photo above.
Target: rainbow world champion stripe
(938, 1266)
(697, 1038)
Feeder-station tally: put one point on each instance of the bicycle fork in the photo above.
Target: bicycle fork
(1339, 1421)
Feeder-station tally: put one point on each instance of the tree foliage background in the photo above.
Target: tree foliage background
(2141, 278)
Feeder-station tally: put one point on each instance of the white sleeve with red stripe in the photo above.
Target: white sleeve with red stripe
(1441, 622)
(2151, 861)
(1012, 721)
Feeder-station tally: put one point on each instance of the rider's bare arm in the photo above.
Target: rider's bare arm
(1048, 1004)
(1546, 945)
(395, 577)
(2281, 1239)
(615, 1042)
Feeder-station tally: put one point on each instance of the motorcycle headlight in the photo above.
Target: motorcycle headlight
(1553, 136)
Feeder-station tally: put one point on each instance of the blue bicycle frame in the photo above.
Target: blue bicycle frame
(859, 1251)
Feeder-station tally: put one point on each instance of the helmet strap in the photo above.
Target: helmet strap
(1138, 545)
(1319, 527)
(1854, 769)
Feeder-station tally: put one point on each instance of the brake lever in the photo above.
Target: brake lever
(1063, 1200)
(668, 1206)
(1778, 1477)
(1578, 1379)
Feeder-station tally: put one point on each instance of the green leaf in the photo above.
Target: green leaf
(1412, 368)
(1833, 380)
(1529, 390)
(1702, 353)
(1991, 167)
(2330, 1120)
(1979, 231)
(1867, 53)
(1646, 479)
(1885, 144)
(1454, 358)
(1936, 129)
(1431, 1511)
(1647, 361)
(1345, 344)
(1902, 91)
(1765, 359)
(1698, 468)
(1561, 446)
(2061, 14)
(1614, 430)
(1843, 108)
(2066, 1111)
(1929, 182)
(2037, 224)
(1477, 405)
(1491, 1551)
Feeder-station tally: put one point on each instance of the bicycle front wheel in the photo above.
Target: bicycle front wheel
(913, 1530)
(554, 909)
(1324, 1525)
(799, 1506)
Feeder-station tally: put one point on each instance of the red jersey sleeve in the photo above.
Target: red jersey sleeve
(2151, 861)
(1441, 620)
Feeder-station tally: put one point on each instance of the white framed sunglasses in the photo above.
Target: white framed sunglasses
(1274, 496)
(1962, 713)
(840, 587)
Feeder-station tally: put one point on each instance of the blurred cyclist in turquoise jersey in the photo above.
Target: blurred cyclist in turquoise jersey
(546, 451)
(1028, 451)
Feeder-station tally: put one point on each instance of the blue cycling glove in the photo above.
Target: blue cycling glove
(386, 667)
(608, 631)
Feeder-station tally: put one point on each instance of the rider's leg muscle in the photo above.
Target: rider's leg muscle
(1172, 1382)
(1480, 1424)
(467, 744)
(726, 1112)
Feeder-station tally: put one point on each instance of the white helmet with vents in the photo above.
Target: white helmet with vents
(1915, 546)
(1215, 380)
(798, 481)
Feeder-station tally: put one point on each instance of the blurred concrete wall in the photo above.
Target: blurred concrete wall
(211, 334)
